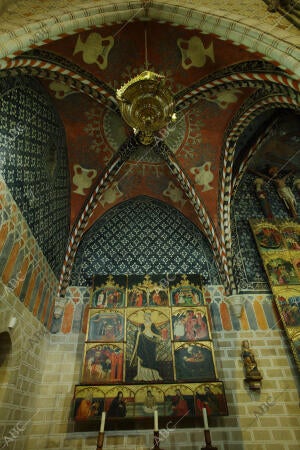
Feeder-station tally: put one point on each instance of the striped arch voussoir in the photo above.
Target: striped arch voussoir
(230, 144)
(201, 212)
(236, 80)
(90, 204)
(75, 81)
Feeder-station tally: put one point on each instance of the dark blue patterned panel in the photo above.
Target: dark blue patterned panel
(34, 163)
(248, 268)
(143, 236)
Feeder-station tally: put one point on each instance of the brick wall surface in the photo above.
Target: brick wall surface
(44, 370)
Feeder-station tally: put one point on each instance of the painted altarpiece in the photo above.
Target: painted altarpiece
(278, 242)
(148, 347)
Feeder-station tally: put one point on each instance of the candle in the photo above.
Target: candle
(205, 418)
(155, 421)
(102, 422)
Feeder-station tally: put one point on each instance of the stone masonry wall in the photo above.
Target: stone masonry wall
(44, 377)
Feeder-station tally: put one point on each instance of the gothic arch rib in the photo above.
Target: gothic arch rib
(254, 74)
(79, 82)
(267, 133)
(254, 106)
(102, 183)
(225, 269)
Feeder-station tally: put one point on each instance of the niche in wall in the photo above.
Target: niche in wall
(5, 352)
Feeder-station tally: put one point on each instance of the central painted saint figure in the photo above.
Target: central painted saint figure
(148, 346)
(146, 340)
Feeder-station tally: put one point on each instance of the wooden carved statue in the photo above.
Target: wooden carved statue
(284, 191)
(253, 375)
(262, 197)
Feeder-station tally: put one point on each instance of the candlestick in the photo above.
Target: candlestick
(155, 420)
(100, 441)
(156, 441)
(205, 418)
(208, 445)
(102, 422)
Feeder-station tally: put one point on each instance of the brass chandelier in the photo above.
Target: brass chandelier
(146, 105)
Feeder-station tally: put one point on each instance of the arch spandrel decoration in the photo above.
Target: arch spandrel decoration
(148, 348)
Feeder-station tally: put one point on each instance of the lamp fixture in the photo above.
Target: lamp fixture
(146, 104)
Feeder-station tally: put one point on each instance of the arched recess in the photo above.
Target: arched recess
(283, 136)
(105, 179)
(143, 235)
(34, 163)
(5, 354)
(250, 110)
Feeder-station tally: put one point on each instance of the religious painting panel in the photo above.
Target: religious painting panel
(291, 233)
(187, 291)
(148, 346)
(179, 401)
(267, 235)
(190, 324)
(120, 402)
(103, 363)
(288, 303)
(140, 402)
(88, 403)
(212, 397)
(149, 399)
(109, 291)
(106, 325)
(147, 336)
(283, 270)
(280, 269)
(147, 291)
(295, 345)
(194, 361)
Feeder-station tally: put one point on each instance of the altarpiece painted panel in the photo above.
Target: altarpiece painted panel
(278, 242)
(148, 347)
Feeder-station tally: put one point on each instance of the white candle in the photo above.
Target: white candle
(155, 421)
(205, 418)
(102, 422)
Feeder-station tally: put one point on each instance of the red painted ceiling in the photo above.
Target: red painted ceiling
(116, 53)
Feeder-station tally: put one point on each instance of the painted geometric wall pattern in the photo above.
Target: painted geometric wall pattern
(143, 236)
(33, 162)
(24, 269)
(259, 312)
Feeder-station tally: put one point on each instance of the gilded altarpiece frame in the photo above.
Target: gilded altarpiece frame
(148, 347)
(278, 242)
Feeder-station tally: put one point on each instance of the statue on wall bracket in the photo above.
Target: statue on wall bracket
(253, 375)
